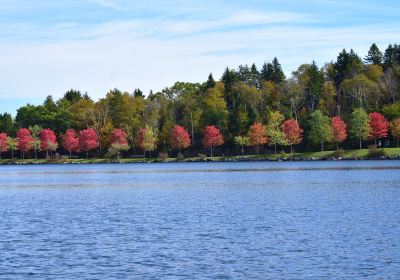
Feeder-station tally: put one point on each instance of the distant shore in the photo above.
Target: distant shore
(363, 154)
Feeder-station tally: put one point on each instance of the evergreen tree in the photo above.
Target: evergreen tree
(278, 76)
(346, 66)
(374, 55)
(314, 85)
(138, 93)
(210, 81)
(6, 123)
(73, 96)
(254, 76)
(267, 72)
(391, 56)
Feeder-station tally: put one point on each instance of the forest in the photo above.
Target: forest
(352, 102)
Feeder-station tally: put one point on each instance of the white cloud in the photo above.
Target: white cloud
(152, 54)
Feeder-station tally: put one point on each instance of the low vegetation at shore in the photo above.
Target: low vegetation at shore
(363, 154)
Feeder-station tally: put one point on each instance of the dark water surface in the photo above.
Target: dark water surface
(261, 220)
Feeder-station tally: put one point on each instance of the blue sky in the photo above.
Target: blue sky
(48, 47)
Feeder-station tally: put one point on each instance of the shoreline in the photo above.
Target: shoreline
(389, 154)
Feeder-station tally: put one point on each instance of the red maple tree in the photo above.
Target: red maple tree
(395, 130)
(139, 140)
(69, 141)
(118, 136)
(88, 140)
(180, 138)
(212, 137)
(293, 132)
(25, 141)
(379, 126)
(257, 135)
(339, 130)
(3, 143)
(47, 138)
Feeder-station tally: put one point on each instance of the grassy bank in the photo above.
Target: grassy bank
(325, 155)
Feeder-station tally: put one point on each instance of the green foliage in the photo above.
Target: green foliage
(320, 130)
(391, 111)
(374, 152)
(274, 131)
(359, 125)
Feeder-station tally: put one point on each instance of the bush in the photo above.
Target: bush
(180, 156)
(374, 152)
(283, 154)
(339, 153)
(202, 156)
(163, 156)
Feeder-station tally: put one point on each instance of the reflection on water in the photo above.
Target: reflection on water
(254, 220)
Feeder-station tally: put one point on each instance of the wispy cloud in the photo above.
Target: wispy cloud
(150, 44)
(108, 4)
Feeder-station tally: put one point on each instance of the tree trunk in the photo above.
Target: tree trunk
(243, 149)
(12, 154)
(69, 154)
(47, 154)
(291, 148)
(211, 152)
(87, 154)
(337, 146)
(275, 149)
(322, 146)
(35, 153)
(257, 149)
(360, 143)
(397, 142)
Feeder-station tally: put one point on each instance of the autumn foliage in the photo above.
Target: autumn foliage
(69, 141)
(338, 129)
(47, 140)
(257, 135)
(140, 138)
(118, 136)
(293, 132)
(3, 143)
(379, 126)
(212, 137)
(395, 129)
(179, 138)
(25, 140)
(88, 140)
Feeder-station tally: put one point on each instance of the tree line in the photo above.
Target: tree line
(347, 102)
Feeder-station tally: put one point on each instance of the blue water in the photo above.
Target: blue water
(261, 220)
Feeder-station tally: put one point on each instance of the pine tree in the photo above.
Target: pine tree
(267, 72)
(210, 81)
(138, 93)
(314, 85)
(278, 76)
(374, 55)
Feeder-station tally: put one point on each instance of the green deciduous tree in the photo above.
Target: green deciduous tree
(359, 125)
(320, 130)
(274, 131)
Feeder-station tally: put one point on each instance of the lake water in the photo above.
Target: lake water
(255, 220)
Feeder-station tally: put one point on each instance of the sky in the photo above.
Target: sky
(48, 47)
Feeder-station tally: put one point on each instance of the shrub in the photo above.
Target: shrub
(202, 156)
(374, 152)
(180, 157)
(339, 153)
(283, 154)
(163, 156)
